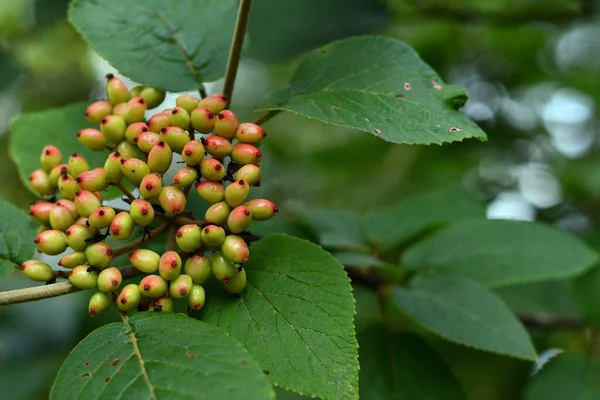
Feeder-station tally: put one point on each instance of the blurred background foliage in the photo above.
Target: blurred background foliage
(532, 68)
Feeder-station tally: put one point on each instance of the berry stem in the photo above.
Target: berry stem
(181, 220)
(266, 117)
(171, 237)
(136, 243)
(202, 91)
(236, 48)
(125, 191)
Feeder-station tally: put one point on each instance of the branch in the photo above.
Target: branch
(136, 243)
(266, 117)
(551, 322)
(236, 48)
(126, 192)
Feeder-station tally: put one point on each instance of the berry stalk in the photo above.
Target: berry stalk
(236, 47)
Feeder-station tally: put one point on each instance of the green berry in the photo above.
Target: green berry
(217, 146)
(150, 186)
(113, 128)
(136, 109)
(61, 217)
(236, 283)
(109, 280)
(169, 266)
(51, 157)
(122, 226)
(129, 298)
(99, 304)
(193, 152)
(250, 173)
(101, 217)
(196, 298)
(86, 202)
(40, 182)
(153, 286)
(37, 270)
(187, 102)
(235, 249)
(161, 304)
(175, 137)
(217, 213)
(72, 260)
(180, 118)
(221, 267)
(145, 260)
(136, 90)
(93, 180)
(261, 209)
(202, 120)
(134, 130)
(153, 97)
(112, 168)
(134, 169)
(236, 193)
(159, 121)
(239, 219)
(146, 140)
(116, 91)
(181, 286)
(172, 200)
(76, 236)
(142, 212)
(185, 177)
(215, 102)
(67, 186)
(77, 165)
(56, 172)
(127, 150)
(244, 153)
(226, 124)
(81, 278)
(98, 110)
(210, 191)
(40, 210)
(99, 254)
(212, 169)
(51, 242)
(212, 235)
(188, 238)
(248, 132)
(197, 267)
(160, 157)
(92, 138)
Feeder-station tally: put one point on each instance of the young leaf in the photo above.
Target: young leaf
(380, 86)
(160, 356)
(465, 312)
(170, 45)
(295, 317)
(16, 238)
(499, 253)
(396, 366)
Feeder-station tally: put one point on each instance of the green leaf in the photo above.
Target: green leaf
(295, 317)
(58, 127)
(394, 225)
(160, 356)
(397, 366)
(16, 238)
(377, 85)
(585, 291)
(465, 312)
(171, 45)
(497, 253)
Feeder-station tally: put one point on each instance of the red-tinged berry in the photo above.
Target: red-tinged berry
(119, 109)
(172, 200)
(196, 298)
(142, 212)
(56, 172)
(176, 137)
(187, 102)
(72, 260)
(249, 173)
(69, 205)
(81, 278)
(61, 217)
(188, 238)
(116, 91)
(202, 120)
(210, 191)
(193, 152)
(153, 97)
(169, 266)
(236, 193)
(153, 286)
(67, 186)
(181, 286)
(92, 138)
(98, 110)
(215, 102)
(235, 249)
(212, 235)
(51, 157)
(197, 267)
(161, 304)
(40, 182)
(77, 235)
(221, 267)
(185, 177)
(150, 186)
(217, 213)
(129, 298)
(145, 260)
(167, 111)
(180, 118)
(101, 217)
(112, 168)
(77, 165)
(109, 280)
(136, 109)
(113, 128)
(226, 124)
(99, 254)
(217, 146)
(127, 150)
(236, 283)
(122, 226)
(99, 304)
(134, 169)
(248, 132)
(37, 270)
(160, 157)
(86, 202)
(261, 209)
(244, 153)
(239, 219)
(212, 169)
(146, 140)
(134, 130)
(51, 242)
(40, 210)
(93, 180)
(159, 121)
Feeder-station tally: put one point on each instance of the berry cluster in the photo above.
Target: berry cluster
(142, 151)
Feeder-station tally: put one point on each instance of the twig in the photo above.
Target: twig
(181, 220)
(126, 192)
(171, 237)
(202, 91)
(551, 322)
(236, 47)
(136, 243)
(266, 117)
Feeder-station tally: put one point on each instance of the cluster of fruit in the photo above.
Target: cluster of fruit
(141, 152)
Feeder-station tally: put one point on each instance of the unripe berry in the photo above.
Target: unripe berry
(248, 132)
(217, 213)
(134, 130)
(215, 102)
(212, 169)
(51, 242)
(212, 235)
(161, 304)
(146, 140)
(236, 193)
(144, 260)
(249, 173)
(81, 278)
(69, 205)
(40, 210)
(226, 124)
(196, 298)
(150, 186)
(153, 97)
(112, 168)
(188, 238)
(86, 202)
(129, 298)
(37, 270)
(142, 212)
(172, 200)
(40, 182)
(109, 280)
(221, 267)
(56, 173)
(235, 249)
(99, 254)
(77, 165)
(116, 91)
(122, 226)
(181, 286)
(169, 265)
(51, 157)
(217, 146)
(244, 153)
(76, 236)
(236, 283)
(61, 217)
(176, 137)
(134, 169)
(160, 157)
(136, 90)
(98, 110)
(136, 109)
(153, 286)
(187, 102)
(99, 304)
(127, 150)
(202, 120)
(93, 180)
(185, 177)
(210, 191)
(193, 152)
(113, 128)
(72, 260)
(239, 219)
(261, 209)
(159, 121)
(180, 117)
(197, 267)
(119, 110)
(101, 217)
(92, 138)
(67, 186)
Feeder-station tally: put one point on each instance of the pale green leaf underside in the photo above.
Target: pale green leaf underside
(295, 317)
(16, 238)
(182, 359)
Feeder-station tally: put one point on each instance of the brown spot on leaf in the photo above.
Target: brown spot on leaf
(454, 129)
(337, 119)
(190, 355)
(407, 86)
(87, 364)
(377, 131)
(398, 95)
(335, 108)
(116, 361)
(436, 85)
(266, 371)
(86, 374)
(244, 363)
(107, 379)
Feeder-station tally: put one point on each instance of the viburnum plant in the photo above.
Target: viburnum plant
(154, 212)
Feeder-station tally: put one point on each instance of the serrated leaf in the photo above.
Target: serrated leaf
(397, 366)
(377, 85)
(171, 45)
(295, 317)
(16, 238)
(463, 311)
(160, 356)
(496, 252)
(394, 225)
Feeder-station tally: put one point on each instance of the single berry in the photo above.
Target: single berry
(169, 265)
(51, 157)
(244, 153)
(92, 138)
(81, 278)
(185, 177)
(86, 202)
(180, 118)
(235, 249)
(134, 169)
(77, 165)
(217, 213)
(236, 193)
(153, 286)
(176, 137)
(145, 260)
(113, 128)
(160, 157)
(196, 298)
(56, 173)
(197, 267)
(188, 238)
(40, 210)
(136, 109)
(215, 102)
(98, 110)
(61, 217)
(153, 97)
(109, 280)
(159, 121)
(181, 286)
(212, 169)
(248, 132)
(150, 186)
(217, 147)
(161, 304)
(101, 217)
(77, 235)
(193, 152)
(210, 191)
(40, 182)
(202, 120)
(236, 283)
(37, 270)
(221, 267)
(67, 186)
(112, 168)
(239, 219)
(146, 140)
(249, 173)
(187, 102)
(93, 180)
(226, 124)
(72, 260)
(116, 91)
(51, 242)
(122, 226)
(127, 150)
(129, 298)
(261, 209)
(99, 254)
(142, 212)
(172, 200)
(134, 130)
(99, 304)
(212, 235)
